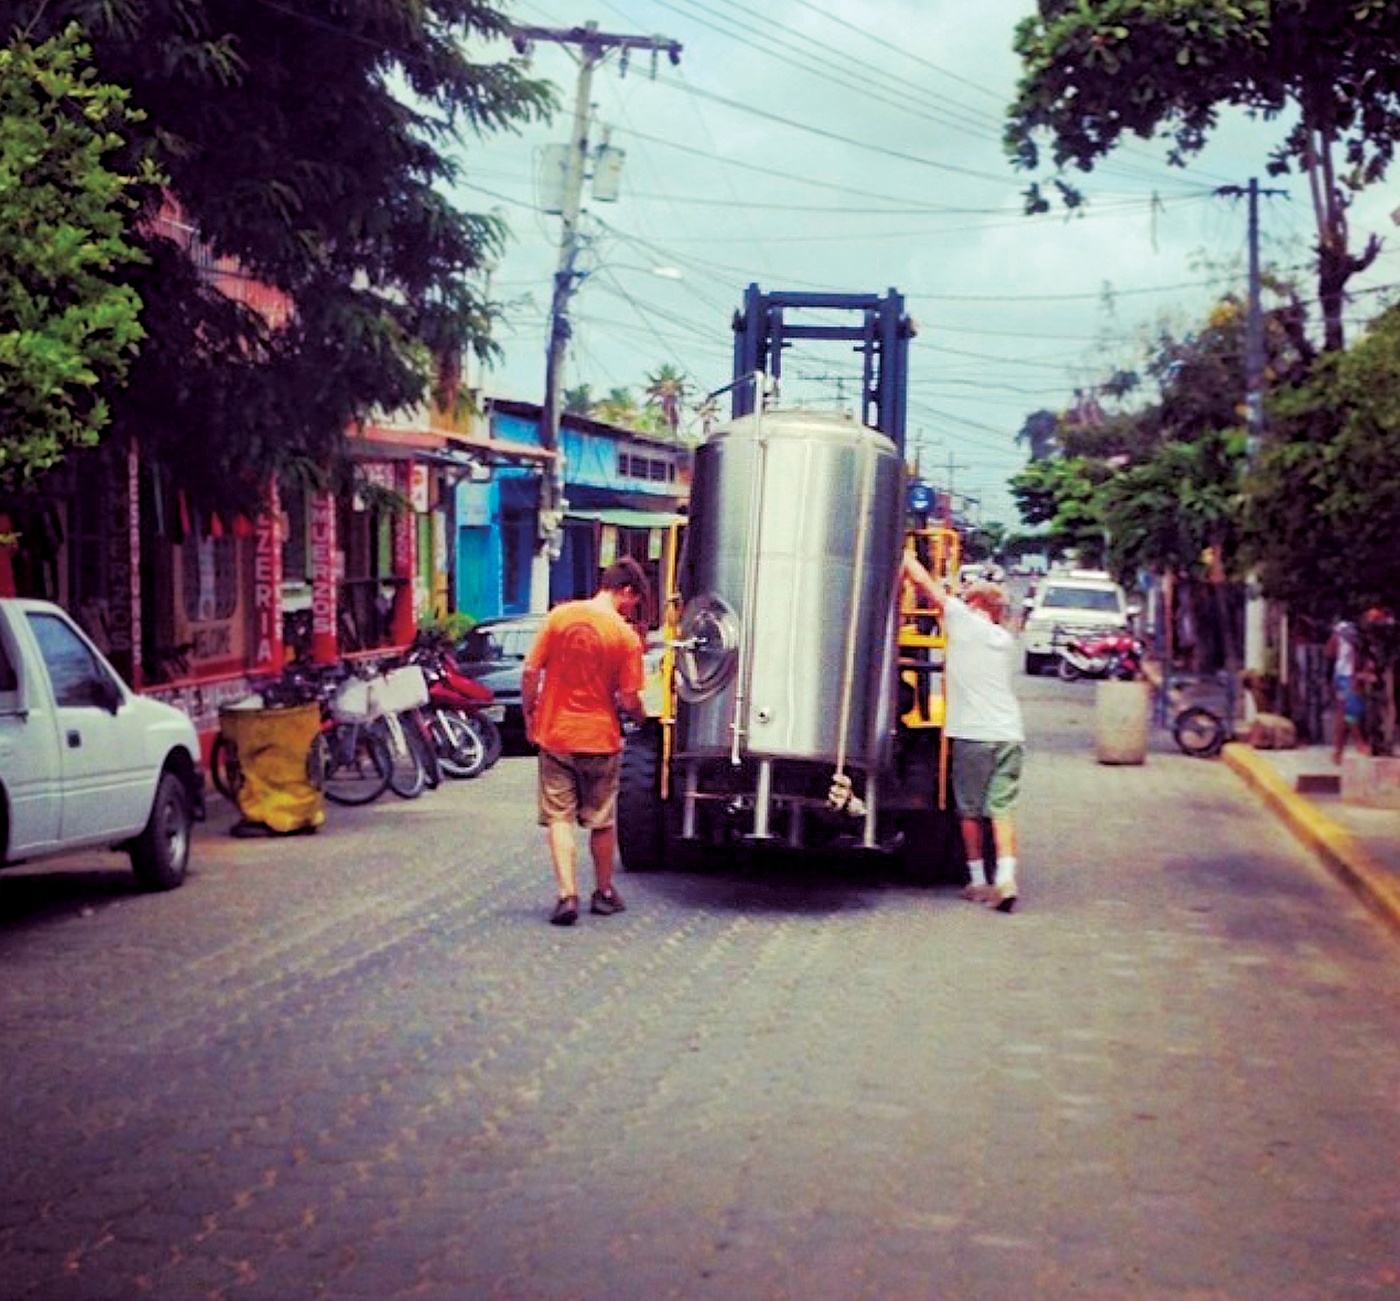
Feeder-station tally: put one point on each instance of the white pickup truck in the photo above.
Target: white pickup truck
(85, 762)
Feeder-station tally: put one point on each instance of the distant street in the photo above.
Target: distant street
(361, 1066)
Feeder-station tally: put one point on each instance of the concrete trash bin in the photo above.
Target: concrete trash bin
(1120, 722)
(274, 789)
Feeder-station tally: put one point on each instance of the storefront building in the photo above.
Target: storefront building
(197, 608)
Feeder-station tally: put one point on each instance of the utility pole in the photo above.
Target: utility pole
(953, 467)
(590, 48)
(1254, 629)
(1254, 332)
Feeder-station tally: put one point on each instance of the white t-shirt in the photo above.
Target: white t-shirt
(981, 666)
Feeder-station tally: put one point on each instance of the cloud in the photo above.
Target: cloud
(854, 145)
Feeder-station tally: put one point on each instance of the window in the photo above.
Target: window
(210, 572)
(9, 679)
(1102, 600)
(658, 469)
(77, 676)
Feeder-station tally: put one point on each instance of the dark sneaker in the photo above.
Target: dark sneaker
(607, 904)
(1002, 898)
(565, 911)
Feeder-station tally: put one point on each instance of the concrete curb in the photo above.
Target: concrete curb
(1334, 845)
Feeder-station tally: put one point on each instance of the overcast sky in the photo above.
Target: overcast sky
(854, 146)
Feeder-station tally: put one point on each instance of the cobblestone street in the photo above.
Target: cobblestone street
(359, 1065)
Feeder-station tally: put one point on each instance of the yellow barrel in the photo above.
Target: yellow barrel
(272, 744)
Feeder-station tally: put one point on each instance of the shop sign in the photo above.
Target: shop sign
(323, 565)
(267, 590)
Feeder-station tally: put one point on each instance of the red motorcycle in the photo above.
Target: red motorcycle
(463, 716)
(1113, 655)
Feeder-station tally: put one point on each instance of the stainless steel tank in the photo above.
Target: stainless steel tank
(796, 525)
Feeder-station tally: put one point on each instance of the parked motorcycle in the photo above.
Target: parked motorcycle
(1113, 655)
(460, 711)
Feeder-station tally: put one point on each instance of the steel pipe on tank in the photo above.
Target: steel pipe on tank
(763, 802)
(867, 479)
(750, 611)
(692, 788)
(870, 832)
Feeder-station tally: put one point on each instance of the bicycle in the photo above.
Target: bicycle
(1202, 731)
(400, 695)
(349, 761)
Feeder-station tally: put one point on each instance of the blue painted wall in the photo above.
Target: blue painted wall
(496, 520)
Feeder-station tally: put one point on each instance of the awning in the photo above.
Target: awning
(447, 446)
(623, 518)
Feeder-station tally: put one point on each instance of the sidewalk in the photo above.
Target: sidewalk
(1360, 844)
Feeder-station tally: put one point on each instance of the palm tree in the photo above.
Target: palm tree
(666, 391)
(579, 401)
(618, 408)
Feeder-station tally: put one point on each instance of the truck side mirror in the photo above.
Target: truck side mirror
(105, 694)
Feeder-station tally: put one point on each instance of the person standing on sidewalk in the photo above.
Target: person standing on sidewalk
(584, 666)
(1343, 653)
(983, 725)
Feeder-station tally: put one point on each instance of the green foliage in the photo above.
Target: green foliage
(1323, 523)
(1162, 514)
(448, 629)
(618, 408)
(68, 328)
(1040, 433)
(1062, 496)
(316, 151)
(1095, 71)
(1163, 482)
(665, 394)
(579, 401)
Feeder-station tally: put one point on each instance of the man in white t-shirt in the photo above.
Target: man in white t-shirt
(982, 723)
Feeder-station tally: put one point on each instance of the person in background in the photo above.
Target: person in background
(983, 725)
(584, 667)
(1343, 653)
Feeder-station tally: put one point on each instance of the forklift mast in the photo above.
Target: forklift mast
(762, 331)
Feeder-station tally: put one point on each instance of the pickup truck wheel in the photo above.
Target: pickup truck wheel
(160, 855)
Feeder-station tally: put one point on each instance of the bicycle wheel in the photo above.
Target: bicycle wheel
(355, 764)
(224, 770)
(415, 727)
(407, 776)
(460, 750)
(1199, 732)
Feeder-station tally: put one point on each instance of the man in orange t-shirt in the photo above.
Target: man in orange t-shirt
(585, 666)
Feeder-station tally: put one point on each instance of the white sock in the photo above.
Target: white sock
(1006, 871)
(977, 870)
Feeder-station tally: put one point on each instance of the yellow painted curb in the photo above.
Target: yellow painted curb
(1332, 843)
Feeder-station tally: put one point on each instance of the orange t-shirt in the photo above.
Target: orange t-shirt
(588, 656)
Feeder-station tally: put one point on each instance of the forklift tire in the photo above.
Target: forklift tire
(932, 852)
(641, 816)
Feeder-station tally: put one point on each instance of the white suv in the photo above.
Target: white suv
(1070, 603)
